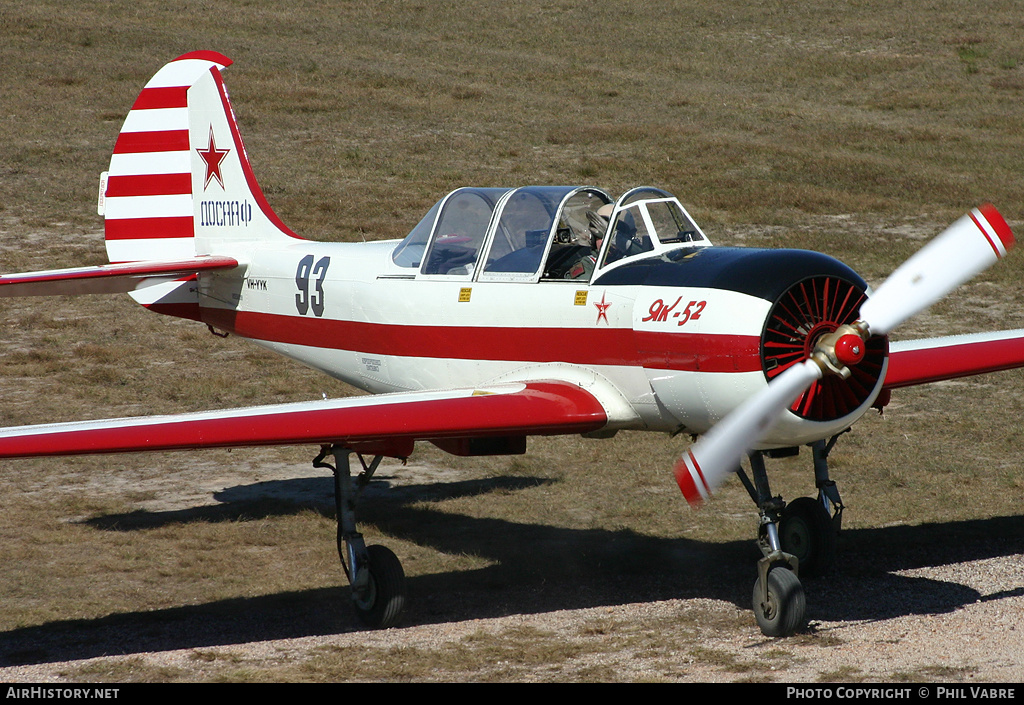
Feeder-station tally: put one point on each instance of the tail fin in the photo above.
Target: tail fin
(180, 183)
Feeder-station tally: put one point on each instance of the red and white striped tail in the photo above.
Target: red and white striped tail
(179, 183)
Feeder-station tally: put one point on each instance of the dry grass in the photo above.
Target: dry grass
(857, 128)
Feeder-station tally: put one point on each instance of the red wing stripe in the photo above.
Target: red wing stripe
(149, 185)
(539, 408)
(158, 141)
(163, 97)
(145, 228)
(950, 360)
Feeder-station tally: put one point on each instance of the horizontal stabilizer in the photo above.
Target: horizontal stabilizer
(107, 278)
(385, 424)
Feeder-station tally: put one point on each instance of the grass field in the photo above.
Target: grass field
(858, 128)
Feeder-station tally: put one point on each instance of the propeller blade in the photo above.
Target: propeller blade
(960, 252)
(967, 247)
(718, 453)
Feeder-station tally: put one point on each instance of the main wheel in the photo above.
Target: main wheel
(785, 610)
(806, 531)
(381, 604)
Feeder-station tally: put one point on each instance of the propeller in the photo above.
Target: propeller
(966, 248)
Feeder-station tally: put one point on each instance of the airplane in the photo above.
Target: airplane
(510, 312)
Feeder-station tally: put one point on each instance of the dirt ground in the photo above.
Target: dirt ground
(908, 603)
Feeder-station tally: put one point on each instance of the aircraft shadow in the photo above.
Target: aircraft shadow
(535, 568)
(285, 497)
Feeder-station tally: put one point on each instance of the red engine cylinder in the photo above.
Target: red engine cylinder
(806, 311)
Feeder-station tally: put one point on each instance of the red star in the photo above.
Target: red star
(213, 157)
(602, 309)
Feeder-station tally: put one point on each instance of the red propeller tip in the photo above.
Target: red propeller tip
(999, 225)
(690, 480)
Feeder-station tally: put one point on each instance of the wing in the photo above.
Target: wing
(107, 278)
(385, 424)
(934, 359)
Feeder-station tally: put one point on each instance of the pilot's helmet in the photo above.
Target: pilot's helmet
(599, 221)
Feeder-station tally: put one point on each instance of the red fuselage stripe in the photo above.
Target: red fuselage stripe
(595, 346)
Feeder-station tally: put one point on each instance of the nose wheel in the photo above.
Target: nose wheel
(779, 603)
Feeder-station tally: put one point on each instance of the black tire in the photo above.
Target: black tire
(806, 531)
(382, 603)
(785, 612)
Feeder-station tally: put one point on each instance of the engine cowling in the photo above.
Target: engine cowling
(715, 325)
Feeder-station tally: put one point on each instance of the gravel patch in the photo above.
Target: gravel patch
(978, 641)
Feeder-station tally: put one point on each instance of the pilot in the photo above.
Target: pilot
(584, 260)
(589, 243)
(574, 255)
(599, 225)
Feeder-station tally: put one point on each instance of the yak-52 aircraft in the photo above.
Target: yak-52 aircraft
(506, 313)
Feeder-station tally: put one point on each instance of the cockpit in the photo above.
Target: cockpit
(549, 233)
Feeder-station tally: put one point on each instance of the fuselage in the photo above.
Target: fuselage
(679, 335)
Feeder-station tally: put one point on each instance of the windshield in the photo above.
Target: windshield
(460, 231)
(543, 230)
(647, 219)
(409, 252)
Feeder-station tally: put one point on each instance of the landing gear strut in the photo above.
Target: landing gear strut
(374, 572)
(798, 538)
(779, 603)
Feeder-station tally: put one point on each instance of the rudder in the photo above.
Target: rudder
(179, 183)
